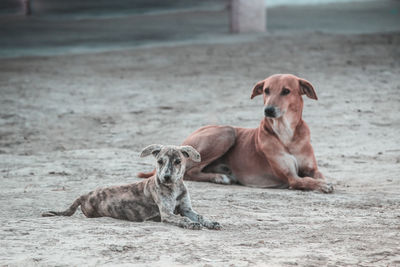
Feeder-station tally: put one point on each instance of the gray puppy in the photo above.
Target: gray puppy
(159, 198)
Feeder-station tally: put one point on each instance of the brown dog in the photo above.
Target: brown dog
(277, 154)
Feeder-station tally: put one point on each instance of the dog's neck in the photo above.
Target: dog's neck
(284, 127)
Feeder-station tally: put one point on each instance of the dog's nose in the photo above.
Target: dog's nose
(270, 111)
(167, 177)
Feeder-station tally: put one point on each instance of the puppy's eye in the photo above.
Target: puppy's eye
(266, 91)
(160, 161)
(177, 162)
(285, 91)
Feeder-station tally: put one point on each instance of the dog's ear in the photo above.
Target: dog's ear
(191, 153)
(307, 89)
(151, 149)
(258, 89)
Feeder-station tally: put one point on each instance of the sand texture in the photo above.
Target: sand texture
(69, 124)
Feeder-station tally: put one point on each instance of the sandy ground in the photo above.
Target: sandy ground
(71, 123)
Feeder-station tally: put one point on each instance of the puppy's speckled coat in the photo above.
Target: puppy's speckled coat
(160, 198)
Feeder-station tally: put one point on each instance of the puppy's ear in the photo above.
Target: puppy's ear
(257, 89)
(151, 149)
(191, 153)
(307, 89)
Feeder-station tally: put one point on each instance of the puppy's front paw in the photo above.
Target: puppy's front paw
(327, 188)
(193, 226)
(213, 225)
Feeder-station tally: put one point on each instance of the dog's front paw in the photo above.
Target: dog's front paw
(327, 188)
(193, 226)
(213, 225)
(222, 179)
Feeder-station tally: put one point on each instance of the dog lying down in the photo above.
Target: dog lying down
(163, 197)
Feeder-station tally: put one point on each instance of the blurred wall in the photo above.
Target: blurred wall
(102, 6)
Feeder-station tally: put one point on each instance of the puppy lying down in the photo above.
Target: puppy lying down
(163, 197)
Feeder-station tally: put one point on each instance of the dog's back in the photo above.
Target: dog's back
(126, 202)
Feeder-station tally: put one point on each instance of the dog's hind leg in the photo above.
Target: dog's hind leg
(68, 212)
(212, 142)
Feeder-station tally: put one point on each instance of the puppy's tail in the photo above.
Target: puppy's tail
(68, 212)
(146, 174)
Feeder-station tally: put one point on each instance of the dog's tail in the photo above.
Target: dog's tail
(146, 174)
(68, 212)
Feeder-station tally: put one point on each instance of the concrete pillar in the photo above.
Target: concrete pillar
(248, 16)
(27, 7)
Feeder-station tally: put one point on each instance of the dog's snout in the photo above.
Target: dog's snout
(167, 177)
(270, 111)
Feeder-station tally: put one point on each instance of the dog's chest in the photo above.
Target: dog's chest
(283, 130)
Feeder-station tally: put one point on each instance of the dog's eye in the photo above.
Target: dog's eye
(160, 161)
(266, 91)
(177, 162)
(285, 91)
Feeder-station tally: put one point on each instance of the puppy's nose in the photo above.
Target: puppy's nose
(167, 177)
(270, 111)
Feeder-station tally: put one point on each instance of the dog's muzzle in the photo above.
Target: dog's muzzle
(167, 178)
(271, 112)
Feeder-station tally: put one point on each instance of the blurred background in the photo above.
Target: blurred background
(57, 26)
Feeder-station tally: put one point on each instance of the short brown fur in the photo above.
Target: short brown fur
(277, 154)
